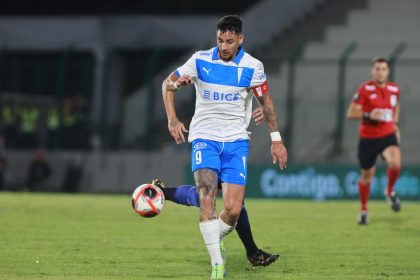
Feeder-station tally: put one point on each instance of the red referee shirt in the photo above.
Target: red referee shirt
(371, 96)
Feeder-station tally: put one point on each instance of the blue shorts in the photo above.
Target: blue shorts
(227, 159)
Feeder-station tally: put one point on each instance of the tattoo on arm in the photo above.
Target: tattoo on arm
(270, 113)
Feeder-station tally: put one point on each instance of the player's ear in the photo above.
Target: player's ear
(241, 39)
(387, 70)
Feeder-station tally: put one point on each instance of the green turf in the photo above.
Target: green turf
(54, 236)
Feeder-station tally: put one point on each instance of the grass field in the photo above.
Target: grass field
(56, 236)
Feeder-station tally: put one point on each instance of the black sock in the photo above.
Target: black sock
(169, 193)
(243, 228)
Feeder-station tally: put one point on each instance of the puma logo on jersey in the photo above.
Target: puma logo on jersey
(206, 70)
(242, 175)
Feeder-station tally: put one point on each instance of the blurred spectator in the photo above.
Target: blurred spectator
(9, 121)
(72, 177)
(82, 130)
(28, 130)
(39, 171)
(25, 125)
(53, 125)
(3, 162)
(69, 122)
(75, 127)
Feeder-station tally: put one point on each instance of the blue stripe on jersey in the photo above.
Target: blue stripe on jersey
(223, 74)
(177, 73)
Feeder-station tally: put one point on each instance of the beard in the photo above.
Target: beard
(226, 56)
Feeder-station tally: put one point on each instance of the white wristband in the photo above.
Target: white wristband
(176, 85)
(275, 136)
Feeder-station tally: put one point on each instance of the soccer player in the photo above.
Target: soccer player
(376, 104)
(225, 77)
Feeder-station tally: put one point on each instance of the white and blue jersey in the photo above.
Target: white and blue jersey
(223, 110)
(223, 94)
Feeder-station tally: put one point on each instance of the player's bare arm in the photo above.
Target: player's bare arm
(169, 87)
(355, 112)
(396, 120)
(278, 149)
(269, 110)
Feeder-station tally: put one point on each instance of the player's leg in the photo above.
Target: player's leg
(233, 195)
(233, 177)
(232, 204)
(367, 154)
(392, 156)
(255, 256)
(206, 167)
(365, 181)
(206, 181)
(185, 195)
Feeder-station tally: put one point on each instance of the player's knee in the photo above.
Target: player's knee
(233, 210)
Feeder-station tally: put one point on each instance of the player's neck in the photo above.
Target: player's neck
(230, 59)
(381, 85)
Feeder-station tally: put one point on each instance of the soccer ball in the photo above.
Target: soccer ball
(148, 200)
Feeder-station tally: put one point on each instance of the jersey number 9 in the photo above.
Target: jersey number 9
(198, 157)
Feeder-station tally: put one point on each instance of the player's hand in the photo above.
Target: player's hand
(177, 130)
(376, 115)
(183, 81)
(279, 153)
(398, 134)
(258, 115)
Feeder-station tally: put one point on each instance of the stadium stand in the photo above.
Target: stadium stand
(377, 30)
(125, 112)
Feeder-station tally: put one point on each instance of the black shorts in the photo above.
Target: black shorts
(370, 148)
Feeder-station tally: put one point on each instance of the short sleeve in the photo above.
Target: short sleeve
(359, 96)
(188, 68)
(259, 77)
(395, 97)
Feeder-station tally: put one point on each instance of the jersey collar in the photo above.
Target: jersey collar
(236, 60)
(372, 82)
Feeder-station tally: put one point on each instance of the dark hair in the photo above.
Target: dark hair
(230, 23)
(380, 59)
